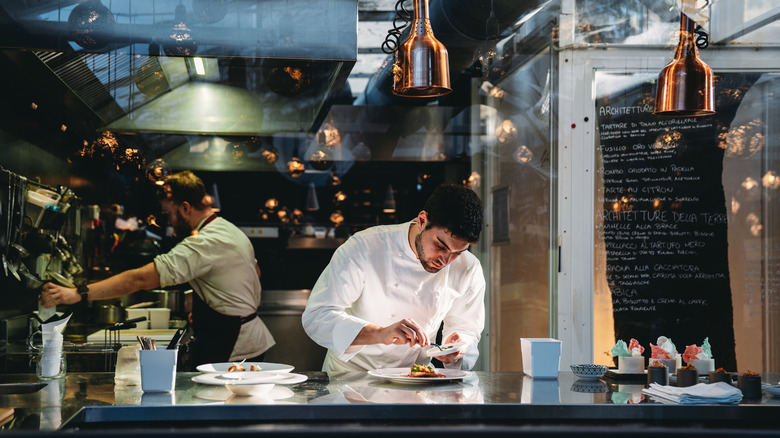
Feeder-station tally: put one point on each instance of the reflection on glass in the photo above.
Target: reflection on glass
(771, 180)
(339, 197)
(670, 140)
(321, 159)
(297, 216)
(238, 152)
(473, 181)
(270, 153)
(749, 183)
(91, 25)
(157, 171)
(523, 155)
(506, 132)
(337, 217)
(272, 204)
(361, 152)
(283, 214)
(754, 223)
(334, 179)
(179, 40)
(295, 167)
(329, 136)
(734, 205)
(743, 141)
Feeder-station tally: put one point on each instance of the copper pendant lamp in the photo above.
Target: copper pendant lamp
(422, 67)
(685, 85)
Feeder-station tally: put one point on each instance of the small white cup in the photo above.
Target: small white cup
(158, 370)
(159, 318)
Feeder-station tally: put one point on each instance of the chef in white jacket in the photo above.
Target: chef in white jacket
(387, 289)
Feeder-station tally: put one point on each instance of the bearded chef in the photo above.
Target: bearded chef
(215, 257)
(388, 289)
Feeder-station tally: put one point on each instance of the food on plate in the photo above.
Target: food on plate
(721, 371)
(240, 367)
(236, 367)
(689, 367)
(657, 363)
(749, 373)
(424, 371)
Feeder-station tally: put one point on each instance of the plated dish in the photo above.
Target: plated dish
(401, 375)
(444, 349)
(222, 367)
(279, 378)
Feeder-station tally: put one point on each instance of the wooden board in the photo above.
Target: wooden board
(130, 335)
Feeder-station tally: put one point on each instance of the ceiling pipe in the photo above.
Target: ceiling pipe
(460, 26)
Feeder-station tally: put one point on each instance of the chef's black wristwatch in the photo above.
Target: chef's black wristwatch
(83, 290)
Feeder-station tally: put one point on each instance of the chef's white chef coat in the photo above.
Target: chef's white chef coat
(219, 263)
(375, 277)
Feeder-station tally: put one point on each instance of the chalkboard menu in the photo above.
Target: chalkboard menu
(661, 219)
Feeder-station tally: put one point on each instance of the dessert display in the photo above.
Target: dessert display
(687, 376)
(700, 357)
(630, 359)
(750, 385)
(657, 373)
(665, 352)
(720, 375)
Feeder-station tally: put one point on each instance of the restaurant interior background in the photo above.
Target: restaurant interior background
(285, 109)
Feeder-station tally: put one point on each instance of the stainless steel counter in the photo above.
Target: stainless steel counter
(495, 402)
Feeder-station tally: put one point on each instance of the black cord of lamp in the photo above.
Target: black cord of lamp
(392, 40)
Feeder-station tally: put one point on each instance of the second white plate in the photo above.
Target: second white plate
(222, 367)
(445, 349)
(402, 375)
(258, 377)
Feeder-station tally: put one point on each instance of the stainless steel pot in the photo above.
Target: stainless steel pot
(110, 314)
(177, 300)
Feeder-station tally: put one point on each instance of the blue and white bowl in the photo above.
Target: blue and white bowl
(589, 371)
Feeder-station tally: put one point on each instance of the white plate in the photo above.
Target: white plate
(259, 377)
(774, 390)
(402, 375)
(448, 349)
(222, 367)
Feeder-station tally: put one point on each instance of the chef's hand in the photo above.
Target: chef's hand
(452, 357)
(405, 331)
(52, 294)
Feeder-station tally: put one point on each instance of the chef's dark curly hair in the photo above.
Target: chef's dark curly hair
(456, 208)
(185, 186)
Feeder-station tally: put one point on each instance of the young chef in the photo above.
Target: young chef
(215, 258)
(388, 288)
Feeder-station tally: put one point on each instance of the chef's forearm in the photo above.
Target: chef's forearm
(125, 283)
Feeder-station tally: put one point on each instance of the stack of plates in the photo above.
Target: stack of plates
(248, 382)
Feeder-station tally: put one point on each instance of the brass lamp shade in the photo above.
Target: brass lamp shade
(422, 67)
(685, 85)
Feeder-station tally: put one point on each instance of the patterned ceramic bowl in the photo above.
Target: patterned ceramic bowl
(589, 371)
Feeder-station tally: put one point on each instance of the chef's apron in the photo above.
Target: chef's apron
(215, 333)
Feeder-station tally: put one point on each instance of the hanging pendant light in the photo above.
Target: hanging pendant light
(421, 67)
(178, 41)
(91, 25)
(685, 85)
